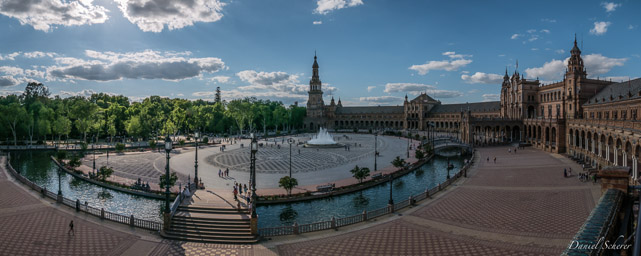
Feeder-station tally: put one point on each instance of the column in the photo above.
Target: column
(625, 158)
(601, 155)
(581, 142)
(593, 147)
(634, 167)
(616, 157)
(607, 152)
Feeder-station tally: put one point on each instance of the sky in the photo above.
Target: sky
(370, 52)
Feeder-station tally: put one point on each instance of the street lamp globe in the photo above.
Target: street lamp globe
(196, 135)
(168, 144)
(254, 144)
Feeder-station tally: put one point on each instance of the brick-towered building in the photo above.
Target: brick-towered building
(594, 119)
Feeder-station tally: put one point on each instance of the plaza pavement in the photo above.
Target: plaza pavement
(329, 165)
(522, 205)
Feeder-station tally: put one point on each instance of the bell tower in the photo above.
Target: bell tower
(315, 104)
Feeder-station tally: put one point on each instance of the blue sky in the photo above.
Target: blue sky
(371, 52)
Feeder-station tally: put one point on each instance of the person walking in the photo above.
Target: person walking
(235, 193)
(494, 159)
(488, 159)
(565, 173)
(71, 231)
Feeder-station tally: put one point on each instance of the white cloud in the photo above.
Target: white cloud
(458, 61)
(39, 54)
(10, 56)
(548, 20)
(5, 93)
(153, 15)
(473, 91)
(545, 31)
(407, 87)
(370, 88)
(560, 51)
(325, 6)
(491, 97)
(600, 27)
(381, 99)
(631, 26)
(148, 64)
(43, 14)
(8, 81)
(317, 22)
(530, 31)
(482, 78)
(285, 97)
(534, 49)
(595, 64)
(415, 89)
(610, 7)
(12, 71)
(221, 79)
(84, 93)
(533, 38)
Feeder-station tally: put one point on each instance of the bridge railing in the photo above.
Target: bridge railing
(365, 216)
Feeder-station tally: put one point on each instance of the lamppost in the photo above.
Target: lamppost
(168, 147)
(196, 137)
(94, 154)
(375, 149)
(59, 198)
(290, 141)
(252, 171)
(408, 144)
(391, 182)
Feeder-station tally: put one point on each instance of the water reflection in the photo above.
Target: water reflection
(38, 167)
(426, 177)
(360, 200)
(288, 215)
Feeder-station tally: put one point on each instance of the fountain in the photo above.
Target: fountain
(322, 140)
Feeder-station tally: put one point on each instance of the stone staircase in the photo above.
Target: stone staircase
(210, 217)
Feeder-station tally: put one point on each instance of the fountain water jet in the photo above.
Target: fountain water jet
(322, 140)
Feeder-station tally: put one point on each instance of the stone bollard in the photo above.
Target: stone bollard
(102, 213)
(411, 201)
(364, 215)
(427, 193)
(439, 187)
(390, 208)
(295, 227)
(77, 205)
(131, 220)
(334, 223)
(43, 191)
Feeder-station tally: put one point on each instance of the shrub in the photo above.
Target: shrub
(152, 144)
(181, 142)
(83, 146)
(104, 173)
(61, 155)
(120, 147)
(205, 140)
(74, 162)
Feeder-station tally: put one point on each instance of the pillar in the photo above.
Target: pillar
(634, 167)
(625, 158)
(607, 152)
(616, 157)
(599, 153)
(593, 146)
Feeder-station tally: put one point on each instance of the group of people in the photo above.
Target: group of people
(139, 185)
(222, 173)
(488, 159)
(222, 148)
(509, 150)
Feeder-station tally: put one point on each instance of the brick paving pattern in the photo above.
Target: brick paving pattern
(401, 238)
(524, 196)
(199, 249)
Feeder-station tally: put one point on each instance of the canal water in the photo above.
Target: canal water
(38, 167)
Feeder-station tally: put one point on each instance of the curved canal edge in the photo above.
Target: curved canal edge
(335, 223)
(349, 188)
(109, 186)
(100, 213)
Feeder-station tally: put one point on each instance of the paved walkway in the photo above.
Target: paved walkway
(522, 205)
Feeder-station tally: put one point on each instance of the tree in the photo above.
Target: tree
(104, 172)
(419, 154)
(61, 126)
(14, 115)
(288, 183)
(398, 162)
(360, 173)
(172, 180)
